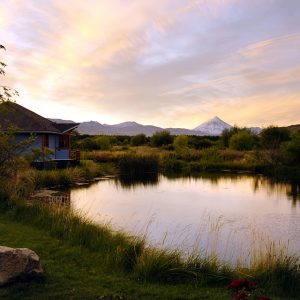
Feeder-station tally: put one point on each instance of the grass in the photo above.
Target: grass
(128, 257)
(86, 171)
(75, 272)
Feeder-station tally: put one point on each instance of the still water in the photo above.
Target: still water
(225, 215)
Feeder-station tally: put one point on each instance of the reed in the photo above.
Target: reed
(117, 249)
(136, 164)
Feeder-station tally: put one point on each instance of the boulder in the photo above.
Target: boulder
(18, 264)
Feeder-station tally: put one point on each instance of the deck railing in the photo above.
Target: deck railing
(75, 155)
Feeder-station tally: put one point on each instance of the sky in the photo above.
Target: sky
(170, 63)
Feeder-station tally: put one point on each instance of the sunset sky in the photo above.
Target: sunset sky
(171, 63)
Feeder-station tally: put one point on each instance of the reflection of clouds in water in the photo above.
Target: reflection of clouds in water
(195, 214)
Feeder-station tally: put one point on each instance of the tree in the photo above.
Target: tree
(273, 136)
(138, 140)
(242, 140)
(10, 149)
(291, 150)
(227, 134)
(181, 142)
(6, 93)
(161, 138)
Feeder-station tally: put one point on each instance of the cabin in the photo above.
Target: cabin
(52, 141)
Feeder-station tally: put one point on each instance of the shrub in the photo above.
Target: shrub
(227, 134)
(211, 155)
(103, 143)
(138, 140)
(242, 140)
(272, 137)
(161, 138)
(291, 150)
(135, 164)
(181, 142)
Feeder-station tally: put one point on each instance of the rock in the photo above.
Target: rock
(18, 264)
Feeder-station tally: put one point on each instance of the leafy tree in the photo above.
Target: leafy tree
(103, 143)
(138, 140)
(10, 149)
(291, 150)
(241, 140)
(181, 142)
(6, 93)
(273, 136)
(227, 134)
(161, 138)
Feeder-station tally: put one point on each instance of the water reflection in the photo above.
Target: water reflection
(271, 186)
(185, 212)
(129, 182)
(274, 187)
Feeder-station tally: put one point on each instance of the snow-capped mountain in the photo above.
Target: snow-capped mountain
(214, 126)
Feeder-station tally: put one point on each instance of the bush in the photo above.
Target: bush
(181, 142)
(138, 140)
(227, 134)
(211, 155)
(135, 165)
(242, 140)
(291, 150)
(272, 137)
(161, 138)
(103, 143)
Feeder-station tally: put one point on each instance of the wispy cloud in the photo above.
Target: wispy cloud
(167, 62)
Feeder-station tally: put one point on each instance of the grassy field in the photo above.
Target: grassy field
(74, 272)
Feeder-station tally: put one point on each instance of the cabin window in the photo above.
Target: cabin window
(64, 141)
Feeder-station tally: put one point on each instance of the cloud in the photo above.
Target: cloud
(152, 61)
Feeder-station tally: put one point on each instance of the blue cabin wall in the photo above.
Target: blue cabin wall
(36, 144)
(58, 154)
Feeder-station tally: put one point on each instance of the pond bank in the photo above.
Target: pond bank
(126, 255)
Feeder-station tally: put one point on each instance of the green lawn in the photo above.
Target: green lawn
(76, 273)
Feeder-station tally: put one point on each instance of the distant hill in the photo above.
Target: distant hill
(212, 127)
(294, 128)
(60, 121)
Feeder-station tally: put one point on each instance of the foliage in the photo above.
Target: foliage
(211, 155)
(291, 150)
(202, 142)
(138, 140)
(11, 160)
(226, 135)
(138, 165)
(6, 93)
(161, 138)
(74, 272)
(241, 140)
(181, 143)
(93, 143)
(272, 137)
(66, 177)
(103, 143)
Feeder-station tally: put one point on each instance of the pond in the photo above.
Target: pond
(226, 215)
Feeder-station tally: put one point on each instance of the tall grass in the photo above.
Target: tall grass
(66, 177)
(272, 267)
(118, 250)
(137, 165)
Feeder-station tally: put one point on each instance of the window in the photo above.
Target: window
(64, 141)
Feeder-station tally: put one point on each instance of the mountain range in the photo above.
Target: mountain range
(212, 127)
